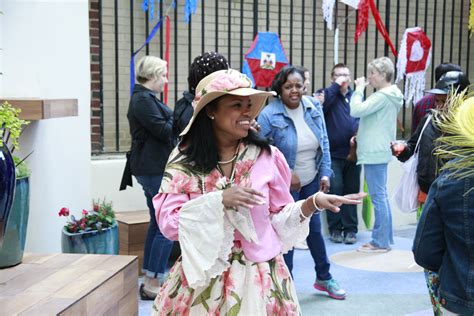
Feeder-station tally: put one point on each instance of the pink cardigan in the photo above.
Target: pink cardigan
(269, 175)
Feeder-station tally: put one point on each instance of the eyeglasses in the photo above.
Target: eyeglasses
(341, 75)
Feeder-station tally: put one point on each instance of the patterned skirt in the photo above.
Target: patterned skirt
(246, 288)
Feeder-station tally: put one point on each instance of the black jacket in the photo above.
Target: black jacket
(428, 164)
(183, 111)
(151, 128)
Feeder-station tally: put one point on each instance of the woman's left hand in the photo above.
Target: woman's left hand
(255, 126)
(324, 184)
(333, 202)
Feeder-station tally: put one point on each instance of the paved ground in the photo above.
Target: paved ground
(369, 292)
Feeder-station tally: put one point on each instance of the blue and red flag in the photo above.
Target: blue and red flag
(264, 59)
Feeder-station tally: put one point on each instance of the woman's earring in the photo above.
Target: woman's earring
(211, 117)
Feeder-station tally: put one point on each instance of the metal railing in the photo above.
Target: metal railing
(229, 27)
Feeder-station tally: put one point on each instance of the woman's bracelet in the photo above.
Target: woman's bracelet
(302, 214)
(318, 209)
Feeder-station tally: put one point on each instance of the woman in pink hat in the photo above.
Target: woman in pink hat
(225, 197)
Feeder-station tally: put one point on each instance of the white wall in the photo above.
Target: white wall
(105, 182)
(1, 44)
(46, 55)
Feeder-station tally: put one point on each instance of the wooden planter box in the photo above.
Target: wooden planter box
(133, 227)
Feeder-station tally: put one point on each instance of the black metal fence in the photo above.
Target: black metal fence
(229, 27)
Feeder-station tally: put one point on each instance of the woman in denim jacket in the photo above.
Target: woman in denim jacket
(444, 240)
(295, 125)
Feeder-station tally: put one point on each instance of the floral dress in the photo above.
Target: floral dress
(221, 271)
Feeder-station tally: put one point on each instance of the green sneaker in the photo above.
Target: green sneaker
(331, 287)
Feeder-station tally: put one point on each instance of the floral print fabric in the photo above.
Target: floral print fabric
(432, 282)
(179, 177)
(246, 288)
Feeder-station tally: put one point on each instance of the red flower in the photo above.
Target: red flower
(64, 211)
(83, 225)
(96, 207)
(85, 212)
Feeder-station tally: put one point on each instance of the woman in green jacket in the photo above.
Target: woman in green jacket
(377, 128)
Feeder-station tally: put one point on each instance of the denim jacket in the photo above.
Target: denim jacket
(278, 126)
(444, 240)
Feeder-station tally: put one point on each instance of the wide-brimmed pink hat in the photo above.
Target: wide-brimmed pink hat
(227, 82)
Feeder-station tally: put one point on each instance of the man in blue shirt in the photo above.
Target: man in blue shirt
(341, 127)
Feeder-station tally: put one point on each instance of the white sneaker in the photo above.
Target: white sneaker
(302, 245)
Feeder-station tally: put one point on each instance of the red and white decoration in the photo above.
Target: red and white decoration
(414, 57)
(363, 22)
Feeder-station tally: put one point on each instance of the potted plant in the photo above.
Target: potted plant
(96, 232)
(14, 188)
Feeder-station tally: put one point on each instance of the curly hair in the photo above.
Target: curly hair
(203, 65)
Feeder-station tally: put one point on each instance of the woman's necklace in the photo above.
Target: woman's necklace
(227, 161)
(219, 163)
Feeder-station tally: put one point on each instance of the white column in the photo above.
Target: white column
(46, 55)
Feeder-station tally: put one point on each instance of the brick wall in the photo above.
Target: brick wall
(302, 35)
(96, 105)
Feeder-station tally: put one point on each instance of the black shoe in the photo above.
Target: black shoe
(336, 237)
(350, 238)
(144, 295)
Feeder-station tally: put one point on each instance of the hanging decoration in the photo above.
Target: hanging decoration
(167, 53)
(471, 17)
(264, 58)
(328, 9)
(363, 22)
(145, 5)
(149, 5)
(190, 7)
(414, 57)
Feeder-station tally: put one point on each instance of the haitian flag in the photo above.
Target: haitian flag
(264, 59)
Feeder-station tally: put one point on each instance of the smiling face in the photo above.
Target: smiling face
(231, 117)
(292, 90)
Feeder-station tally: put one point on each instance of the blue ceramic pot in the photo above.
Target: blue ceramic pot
(7, 187)
(13, 245)
(93, 242)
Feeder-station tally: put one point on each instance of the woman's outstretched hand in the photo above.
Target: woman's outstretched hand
(241, 196)
(333, 202)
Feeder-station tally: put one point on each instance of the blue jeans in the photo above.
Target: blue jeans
(346, 180)
(376, 177)
(315, 238)
(157, 247)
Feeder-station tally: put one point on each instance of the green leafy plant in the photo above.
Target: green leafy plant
(11, 127)
(21, 170)
(99, 218)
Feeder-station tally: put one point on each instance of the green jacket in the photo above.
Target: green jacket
(378, 123)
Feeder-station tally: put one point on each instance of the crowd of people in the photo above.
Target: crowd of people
(239, 183)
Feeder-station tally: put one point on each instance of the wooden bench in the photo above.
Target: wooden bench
(133, 227)
(70, 284)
